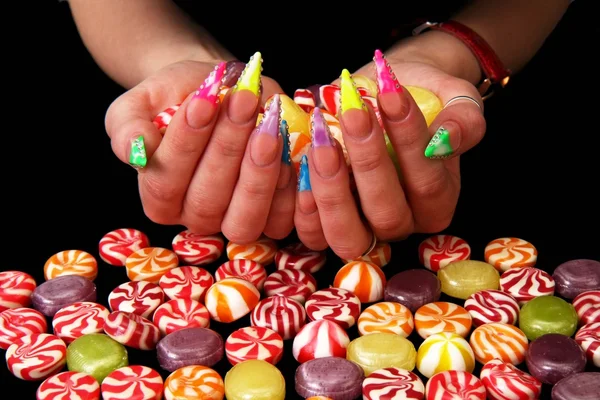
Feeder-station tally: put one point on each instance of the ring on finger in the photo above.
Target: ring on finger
(463, 98)
(371, 246)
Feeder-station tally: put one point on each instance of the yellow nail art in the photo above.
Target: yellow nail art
(250, 77)
(350, 97)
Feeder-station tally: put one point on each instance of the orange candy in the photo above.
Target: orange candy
(379, 256)
(262, 251)
(150, 264)
(71, 262)
(442, 317)
(499, 341)
(366, 280)
(386, 317)
(194, 382)
(231, 299)
(506, 253)
(318, 398)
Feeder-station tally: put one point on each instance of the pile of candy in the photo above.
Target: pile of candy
(505, 313)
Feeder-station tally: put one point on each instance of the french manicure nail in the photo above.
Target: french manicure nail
(386, 79)
(304, 176)
(286, 156)
(443, 144)
(320, 133)
(250, 76)
(209, 90)
(265, 143)
(350, 98)
(137, 153)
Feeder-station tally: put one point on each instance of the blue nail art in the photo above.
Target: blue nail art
(304, 179)
(285, 134)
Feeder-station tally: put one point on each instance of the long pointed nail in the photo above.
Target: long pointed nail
(250, 77)
(137, 154)
(386, 79)
(349, 97)
(443, 144)
(209, 90)
(286, 155)
(320, 133)
(304, 177)
(271, 120)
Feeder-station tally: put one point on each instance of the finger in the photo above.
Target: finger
(381, 196)
(246, 216)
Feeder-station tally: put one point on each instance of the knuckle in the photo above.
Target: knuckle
(240, 232)
(159, 189)
(257, 190)
(227, 148)
(392, 226)
(182, 144)
(203, 212)
(330, 202)
(367, 162)
(432, 186)
(156, 215)
(409, 137)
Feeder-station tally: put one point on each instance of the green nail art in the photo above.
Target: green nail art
(137, 156)
(439, 145)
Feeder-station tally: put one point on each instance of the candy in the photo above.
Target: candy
(79, 319)
(299, 146)
(382, 350)
(69, 385)
(379, 256)
(499, 341)
(190, 346)
(440, 317)
(588, 338)
(581, 386)
(116, 246)
(427, 101)
(330, 96)
(256, 380)
(163, 119)
(504, 381)
(179, 314)
(194, 382)
(254, 343)
(438, 251)
(386, 317)
(445, 352)
(393, 383)
(52, 295)
(194, 249)
(548, 314)
(335, 129)
(132, 330)
(363, 82)
(489, 306)
(36, 356)
(333, 377)
(318, 398)
(19, 322)
(150, 264)
(248, 270)
(448, 385)
(135, 382)
(305, 99)
(137, 297)
(554, 356)
(71, 262)
(413, 288)
(587, 306)
(577, 276)
(506, 253)
(461, 279)
(320, 338)
(298, 256)
(526, 283)
(366, 280)
(293, 114)
(292, 283)
(338, 305)
(97, 355)
(231, 299)
(284, 315)
(16, 288)
(262, 251)
(186, 283)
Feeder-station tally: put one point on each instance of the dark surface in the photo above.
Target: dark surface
(534, 176)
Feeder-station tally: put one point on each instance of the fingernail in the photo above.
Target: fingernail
(392, 99)
(320, 133)
(265, 144)
(233, 70)
(137, 153)
(286, 155)
(350, 98)
(325, 153)
(444, 142)
(250, 76)
(386, 79)
(197, 116)
(304, 176)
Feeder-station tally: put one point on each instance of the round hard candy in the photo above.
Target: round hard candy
(16, 323)
(380, 255)
(293, 283)
(71, 262)
(320, 338)
(338, 305)
(581, 386)
(284, 315)
(393, 383)
(186, 283)
(488, 306)
(180, 314)
(190, 346)
(194, 382)
(442, 316)
(547, 314)
(438, 251)
(455, 385)
(526, 283)
(150, 264)
(298, 256)
(553, 356)
(117, 245)
(504, 381)
(588, 338)
(194, 249)
(366, 280)
(16, 288)
(444, 352)
(231, 299)
(248, 270)
(163, 119)
(333, 377)
(509, 252)
(255, 379)
(577, 276)
(132, 330)
(318, 398)
(69, 385)
(262, 251)
(254, 343)
(137, 297)
(587, 306)
(461, 279)
(135, 382)
(382, 350)
(386, 317)
(79, 319)
(52, 295)
(36, 356)
(413, 288)
(305, 99)
(96, 354)
(500, 341)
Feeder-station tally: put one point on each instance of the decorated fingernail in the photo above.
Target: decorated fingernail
(350, 98)
(250, 77)
(304, 177)
(286, 156)
(319, 130)
(386, 79)
(271, 120)
(209, 90)
(137, 154)
(439, 146)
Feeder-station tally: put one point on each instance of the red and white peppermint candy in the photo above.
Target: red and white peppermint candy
(366, 280)
(186, 283)
(504, 381)
(194, 249)
(79, 319)
(298, 256)
(135, 382)
(254, 343)
(262, 251)
(284, 315)
(455, 385)
(180, 314)
(292, 283)
(330, 96)
(588, 338)
(587, 306)
(526, 283)
(489, 306)
(37, 356)
(247, 270)
(19, 322)
(16, 288)
(163, 119)
(393, 383)
(132, 330)
(338, 305)
(305, 99)
(69, 385)
(117, 245)
(438, 251)
(137, 297)
(320, 338)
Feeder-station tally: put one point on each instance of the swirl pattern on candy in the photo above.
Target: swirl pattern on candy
(16, 288)
(163, 119)
(69, 385)
(298, 256)
(231, 299)
(366, 280)
(438, 251)
(393, 383)
(150, 264)
(338, 305)
(504, 381)
(588, 338)
(194, 382)
(132, 330)
(117, 245)
(254, 343)
(79, 319)
(305, 99)
(499, 341)
(380, 255)
(448, 385)
(506, 253)
(37, 356)
(386, 317)
(489, 306)
(284, 315)
(134, 382)
(194, 249)
(445, 352)
(442, 316)
(71, 262)
(180, 314)
(526, 283)
(186, 283)
(247, 270)
(137, 297)
(293, 283)
(16, 323)
(587, 306)
(320, 338)
(262, 251)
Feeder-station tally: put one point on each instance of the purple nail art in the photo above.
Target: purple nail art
(272, 118)
(321, 136)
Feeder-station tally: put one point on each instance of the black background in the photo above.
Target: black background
(534, 176)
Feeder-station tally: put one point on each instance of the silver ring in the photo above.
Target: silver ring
(458, 98)
(371, 247)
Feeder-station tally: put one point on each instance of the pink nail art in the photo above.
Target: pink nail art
(209, 90)
(386, 79)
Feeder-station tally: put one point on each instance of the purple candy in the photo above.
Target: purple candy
(413, 288)
(56, 293)
(233, 70)
(582, 386)
(553, 356)
(333, 377)
(576, 276)
(190, 346)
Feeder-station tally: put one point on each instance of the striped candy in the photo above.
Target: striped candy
(305, 99)
(16, 323)
(504, 381)
(132, 330)
(364, 279)
(16, 288)
(298, 256)
(135, 382)
(338, 305)
(117, 245)
(150, 264)
(451, 385)
(231, 299)
(69, 385)
(386, 317)
(247, 270)
(292, 283)
(194, 249)
(180, 314)
(588, 338)
(331, 96)
(186, 283)
(438, 251)
(139, 297)
(445, 352)
(194, 382)
(379, 256)
(299, 146)
(163, 119)
(284, 315)
(262, 251)
(254, 343)
(320, 338)
(37, 356)
(71, 262)
(587, 306)
(502, 341)
(393, 384)
(440, 317)
(506, 253)
(79, 319)
(490, 305)
(526, 283)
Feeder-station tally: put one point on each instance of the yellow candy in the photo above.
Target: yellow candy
(445, 352)
(382, 350)
(461, 279)
(256, 380)
(429, 104)
(366, 83)
(296, 118)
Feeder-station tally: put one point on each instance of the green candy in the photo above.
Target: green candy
(547, 314)
(97, 355)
